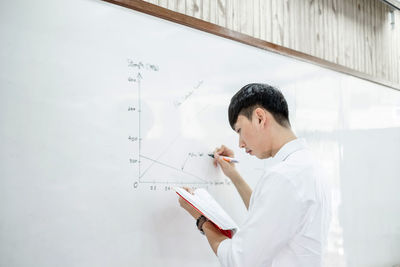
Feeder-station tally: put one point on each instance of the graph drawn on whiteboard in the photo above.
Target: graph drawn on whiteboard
(164, 152)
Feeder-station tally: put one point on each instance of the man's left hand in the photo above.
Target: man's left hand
(189, 208)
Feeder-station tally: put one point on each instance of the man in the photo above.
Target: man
(289, 210)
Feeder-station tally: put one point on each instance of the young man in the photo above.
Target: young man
(289, 210)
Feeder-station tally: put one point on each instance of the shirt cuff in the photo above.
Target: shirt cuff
(223, 250)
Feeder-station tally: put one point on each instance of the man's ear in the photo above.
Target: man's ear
(260, 115)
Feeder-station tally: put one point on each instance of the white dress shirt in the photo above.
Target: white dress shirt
(289, 215)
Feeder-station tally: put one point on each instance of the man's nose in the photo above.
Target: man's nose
(241, 143)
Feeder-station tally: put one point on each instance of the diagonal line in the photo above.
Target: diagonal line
(184, 163)
(172, 167)
(170, 144)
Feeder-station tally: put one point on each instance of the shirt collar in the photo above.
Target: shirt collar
(289, 148)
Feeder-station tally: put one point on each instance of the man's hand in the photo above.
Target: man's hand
(229, 170)
(214, 236)
(227, 167)
(189, 208)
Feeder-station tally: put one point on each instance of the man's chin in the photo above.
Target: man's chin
(257, 156)
(262, 156)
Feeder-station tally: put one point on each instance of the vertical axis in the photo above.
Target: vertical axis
(139, 111)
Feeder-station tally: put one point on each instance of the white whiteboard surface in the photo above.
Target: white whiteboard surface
(71, 192)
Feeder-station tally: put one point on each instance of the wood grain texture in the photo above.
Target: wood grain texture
(350, 36)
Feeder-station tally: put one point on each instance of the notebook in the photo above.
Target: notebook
(202, 201)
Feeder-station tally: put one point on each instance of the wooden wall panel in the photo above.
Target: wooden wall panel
(353, 33)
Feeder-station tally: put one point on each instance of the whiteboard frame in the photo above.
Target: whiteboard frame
(205, 26)
(392, 3)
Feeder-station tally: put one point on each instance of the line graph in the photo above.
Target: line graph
(171, 159)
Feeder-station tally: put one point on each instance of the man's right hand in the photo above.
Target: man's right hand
(227, 167)
(229, 170)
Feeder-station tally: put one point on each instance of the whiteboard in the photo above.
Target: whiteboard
(104, 109)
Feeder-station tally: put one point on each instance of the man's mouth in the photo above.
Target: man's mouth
(248, 151)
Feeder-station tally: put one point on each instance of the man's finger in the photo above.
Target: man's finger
(221, 150)
(181, 201)
(217, 152)
(223, 162)
(190, 190)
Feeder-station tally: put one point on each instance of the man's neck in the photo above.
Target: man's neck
(282, 137)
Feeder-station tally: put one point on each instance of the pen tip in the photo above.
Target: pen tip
(211, 155)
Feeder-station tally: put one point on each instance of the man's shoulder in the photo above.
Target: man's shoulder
(301, 171)
(301, 163)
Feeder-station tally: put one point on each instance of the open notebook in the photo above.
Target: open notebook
(206, 205)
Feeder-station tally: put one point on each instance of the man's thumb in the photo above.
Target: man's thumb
(221, 161)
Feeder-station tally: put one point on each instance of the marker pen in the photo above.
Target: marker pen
(227, 159)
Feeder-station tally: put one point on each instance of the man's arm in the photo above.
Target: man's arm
(273, 221)
(241, 186)
(214, 236)
(229, 170)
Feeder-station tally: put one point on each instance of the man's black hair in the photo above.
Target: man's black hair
(254, 95)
